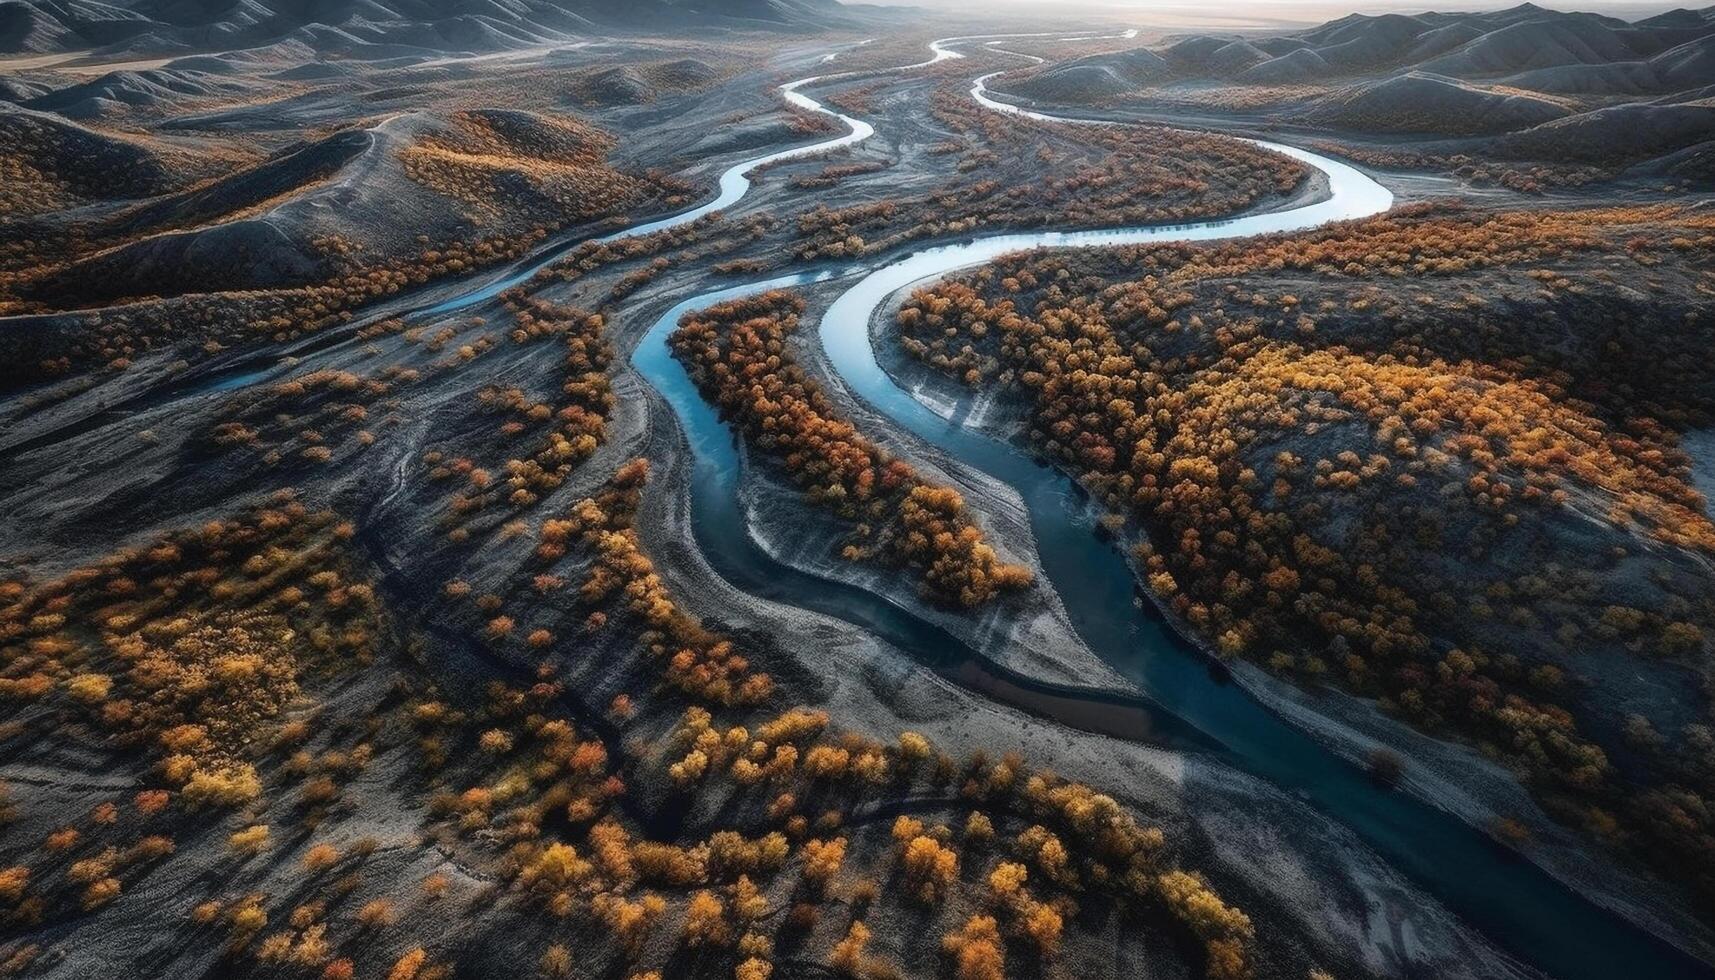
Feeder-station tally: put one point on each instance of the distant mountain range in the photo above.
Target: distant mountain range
(185, 26)
(1535, 48)
(1582, 83)
(1527, 45)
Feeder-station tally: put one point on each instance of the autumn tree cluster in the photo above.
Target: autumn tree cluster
(701, 665)
(740, 356)
(188, 654)
(481, 157)
(1340, 479)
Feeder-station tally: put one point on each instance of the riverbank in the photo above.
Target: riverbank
(422, 435)
(1300, 873)
(1444, 775)
(848, 321)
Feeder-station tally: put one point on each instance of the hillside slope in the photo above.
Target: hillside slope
(379, 26)
(1575, 76)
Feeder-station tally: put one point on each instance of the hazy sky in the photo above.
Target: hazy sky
(1237, 14)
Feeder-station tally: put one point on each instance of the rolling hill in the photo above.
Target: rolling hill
(155, 27)
(1422, 102)
(1520, 46)
(1536, 80)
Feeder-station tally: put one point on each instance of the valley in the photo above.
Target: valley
(623, 503)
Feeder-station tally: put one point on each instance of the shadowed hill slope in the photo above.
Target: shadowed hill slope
(1577, 76)
(377, 27)
(1472, 47)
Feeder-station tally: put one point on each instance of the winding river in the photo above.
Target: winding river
(1516, 904)
(734, 182)
(1513, 902)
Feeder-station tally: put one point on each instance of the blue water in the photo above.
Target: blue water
(734, 184)
(1516, 904)
(724, 538)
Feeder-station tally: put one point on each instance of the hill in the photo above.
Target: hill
(1097, 77)
(157, 89)
(1649, 130)
(373, 190)
(1525, 46)
(49, 163)
(1421, 102)
(377, 27)
(1552, 79)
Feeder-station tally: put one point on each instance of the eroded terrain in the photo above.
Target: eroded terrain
(437, 543)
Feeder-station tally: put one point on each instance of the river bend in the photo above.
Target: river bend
(1515, 903)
